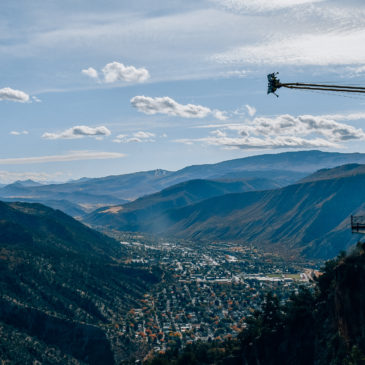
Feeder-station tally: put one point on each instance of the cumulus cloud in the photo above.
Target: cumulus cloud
(13, 95)
(72, 156)
(262, 5)
(166, 105)
(303, 126)
(18, 133)
(137, 137)
(116, 71)
(91, 72)
(79, 131)
(283, 131)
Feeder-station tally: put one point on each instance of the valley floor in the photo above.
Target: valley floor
(207, 292)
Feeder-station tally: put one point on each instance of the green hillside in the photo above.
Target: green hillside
(63, 286)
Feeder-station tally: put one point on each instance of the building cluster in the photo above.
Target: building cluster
(208, 290)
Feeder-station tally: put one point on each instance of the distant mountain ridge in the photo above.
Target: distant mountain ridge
(176, 196)
(28, 183)
(340, 171)
(309, 217)
(86, 194)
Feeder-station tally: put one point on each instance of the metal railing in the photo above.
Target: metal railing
(358, 224)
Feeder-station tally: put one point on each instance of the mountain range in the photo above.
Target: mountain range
(86, 195)
(63, 285)
(311, 217)
(145, 209)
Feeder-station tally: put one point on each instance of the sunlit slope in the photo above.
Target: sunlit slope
(180, 195)
(311, 217)
(86, 195)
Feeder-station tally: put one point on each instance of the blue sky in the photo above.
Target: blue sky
(94, 88)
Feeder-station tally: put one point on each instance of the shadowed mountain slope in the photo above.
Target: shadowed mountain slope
(62, 287)
(89, 194)
(176, 196)
(312, 217)
(340, 171)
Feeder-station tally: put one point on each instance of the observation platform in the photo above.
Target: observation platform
(358, 224)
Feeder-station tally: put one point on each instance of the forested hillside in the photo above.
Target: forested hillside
(63, 287)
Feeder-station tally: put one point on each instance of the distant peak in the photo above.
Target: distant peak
(160, 172)
(27, 183)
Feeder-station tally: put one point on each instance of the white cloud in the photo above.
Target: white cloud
(79, 132)
(91, 72)
(219, 114)
(72, 156)
(144, 135)
(344, 117)
(124, 139)
(331, 48)
(18, 133)
(121, 136)
(75, 35)
(251, 110)
(262, 143)
(303, 125)
(284, 131)
(116, 71)
(36, 99)
(166, 105)
(262, 5)
(218, 133)
(232, 126)
(137, 137)
(237, 73)
(13, 95)
(355, 71)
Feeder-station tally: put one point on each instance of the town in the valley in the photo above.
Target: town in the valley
(207, 292)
